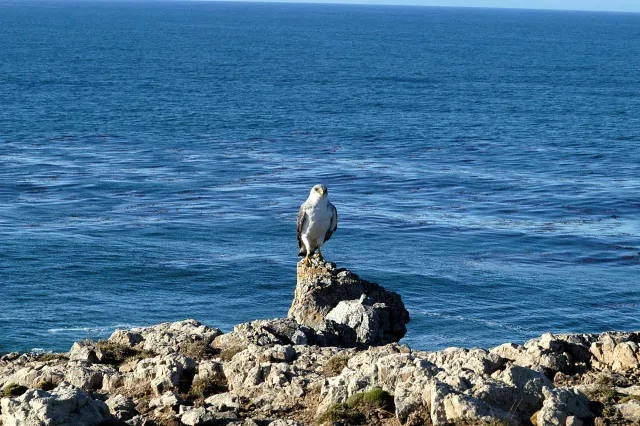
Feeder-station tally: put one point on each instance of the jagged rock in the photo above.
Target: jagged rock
(378, 319)
(166, 338)
(121, 407)
(562, 403)
(286, 331)
(162, 373)
(618, 351)
(79, 374)
(369, 320)
(573, 421)
(127, 337)
(31, 374)
(66, 406)
(191, 416)
(386, 367)
(276, 386)
(282, 422)
(455, 360)
(553, 353)
(223, 402)
(528, 386)
(280, 331)
(140, 420)
(196, 416)
(209, 369)
(85, 350)
(630, 411)
(10, 356)
(165, 402)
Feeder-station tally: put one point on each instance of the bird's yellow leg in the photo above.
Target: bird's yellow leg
(319, 255)
(307, 260)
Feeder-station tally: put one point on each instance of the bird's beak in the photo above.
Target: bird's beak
(321, 191)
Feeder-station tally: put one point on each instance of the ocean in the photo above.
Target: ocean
(485, 165)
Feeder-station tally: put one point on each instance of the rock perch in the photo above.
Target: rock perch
(330, 298)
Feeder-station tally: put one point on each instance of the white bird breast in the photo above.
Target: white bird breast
(318, 223)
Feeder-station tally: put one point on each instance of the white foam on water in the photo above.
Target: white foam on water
(99, 329)
(488, 323)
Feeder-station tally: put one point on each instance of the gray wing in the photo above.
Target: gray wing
(302, 221)
(334, 222)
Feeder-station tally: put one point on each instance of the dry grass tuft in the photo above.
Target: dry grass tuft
(335, 365)
(228, 353)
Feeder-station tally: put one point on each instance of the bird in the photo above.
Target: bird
(317, 221)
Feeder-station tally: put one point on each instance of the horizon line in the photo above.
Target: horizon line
(337, 2)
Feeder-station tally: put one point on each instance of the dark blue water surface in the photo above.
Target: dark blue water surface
(485, 165)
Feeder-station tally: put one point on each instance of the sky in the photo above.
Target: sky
(601, 5)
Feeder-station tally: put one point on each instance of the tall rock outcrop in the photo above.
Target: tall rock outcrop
(328, 298)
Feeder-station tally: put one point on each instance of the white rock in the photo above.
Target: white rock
(121, 407)
(166, 400)
(561, 403)
(196, 416)
(223, 402)
(66, 406)
(630, 411)
(166, 338)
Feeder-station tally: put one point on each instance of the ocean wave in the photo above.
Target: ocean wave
(488, 323)
(96, 329)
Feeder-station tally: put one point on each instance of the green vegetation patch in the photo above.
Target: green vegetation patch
(13, 389)
(342, 413)
(360, 409)
(603, 391)
(630, 398)
(335, 365)
(46, 385)
(52, 357)
(375, 398)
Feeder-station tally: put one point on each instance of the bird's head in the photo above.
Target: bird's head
(319, 191)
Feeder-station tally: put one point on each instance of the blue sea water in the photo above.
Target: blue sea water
(485, 165)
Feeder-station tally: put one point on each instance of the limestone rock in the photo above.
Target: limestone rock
(166, 338)
(65, 406)
(121, 407)
(286, 331)
(553, 353)
(369, 320)
(191, 416)
(165, 402)
(85, 350)
(223, 402)
(162, 373)
(322, 287)
(209, 369)
(79, 374)
(458, 359)
(529, 387)
(196, 416)
(573, 421)
(630, 411)
(280, 331)
(562, 403)
(618, 351)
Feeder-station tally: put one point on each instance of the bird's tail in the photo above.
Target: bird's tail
(303, 251)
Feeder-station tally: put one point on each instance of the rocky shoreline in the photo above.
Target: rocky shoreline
(334, 361)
